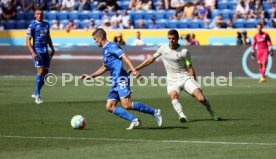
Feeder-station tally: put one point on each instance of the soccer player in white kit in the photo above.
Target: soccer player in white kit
(180, 74)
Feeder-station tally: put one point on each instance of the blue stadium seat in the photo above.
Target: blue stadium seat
(73, 15)
(21, 24)
(64, 22)
(10, 24)
(173, 24)
(162, 23)
(169, 14)
(251, 23)
(84, 15)
(136, 15)
(232, 5)
(201, 23)
(63, 15)
(226, 13)
(77, 22)
(147, 23)
(148, 14)
(125, 5)
(20, 15)
(29, 15)
(84, 24)
(239, 23)
(183, 24)
(98, 22)
(45, 14)
(51, 22)
(194, 24)
(96, 15)
(159, 14)
(267, 6)
(52, 15)
(28, 22)
(93, 6)
(214, 13)
(222, 5)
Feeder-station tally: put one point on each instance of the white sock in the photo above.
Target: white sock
(178, 108)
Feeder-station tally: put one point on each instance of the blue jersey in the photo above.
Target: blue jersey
(39, 31)
(112, 54)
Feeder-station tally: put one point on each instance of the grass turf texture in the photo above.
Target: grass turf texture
(43, 131)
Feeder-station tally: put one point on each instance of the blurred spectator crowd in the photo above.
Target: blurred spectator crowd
(140, 14)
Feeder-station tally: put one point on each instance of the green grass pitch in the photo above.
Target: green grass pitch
(30, 131)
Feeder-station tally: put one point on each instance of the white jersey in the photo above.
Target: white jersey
(174, 61)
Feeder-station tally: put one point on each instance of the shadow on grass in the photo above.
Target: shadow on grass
(223, 120)
(163, 128)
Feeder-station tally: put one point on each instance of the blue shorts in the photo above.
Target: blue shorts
(119, 91)
(44, 60)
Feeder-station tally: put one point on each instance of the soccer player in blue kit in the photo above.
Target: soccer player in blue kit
(113, 58)
(39, 32)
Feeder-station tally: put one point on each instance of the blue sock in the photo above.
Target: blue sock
(142, 108)
(39, 83)
(122, 113)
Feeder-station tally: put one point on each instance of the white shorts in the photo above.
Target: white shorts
(189, 85)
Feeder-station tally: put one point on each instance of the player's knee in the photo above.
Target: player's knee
(173, 95)
(110, 108)
(127, 105)
(201, 98)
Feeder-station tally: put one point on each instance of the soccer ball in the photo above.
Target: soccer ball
(78, 122)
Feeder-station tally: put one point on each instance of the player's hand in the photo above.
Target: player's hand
(85, 76)
(137, 74)
(35, 56)
(52, 53)
(271, 53)
(129, 71)
(253, 56)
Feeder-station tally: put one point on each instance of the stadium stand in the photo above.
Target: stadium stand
(163, 17)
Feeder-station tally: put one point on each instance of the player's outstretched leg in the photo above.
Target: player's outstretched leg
(202, 99)
(122, 113)
(138, 106)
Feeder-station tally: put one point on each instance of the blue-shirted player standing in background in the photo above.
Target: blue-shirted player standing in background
(39, 33)
(113, 57)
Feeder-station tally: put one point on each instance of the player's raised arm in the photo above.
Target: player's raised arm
(131, 67)
(99, 72)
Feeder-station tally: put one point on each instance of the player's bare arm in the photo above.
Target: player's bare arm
(145, 63)
(131, 67)
(192, 71)
(50, 43)
(99, 72)
(30, 46)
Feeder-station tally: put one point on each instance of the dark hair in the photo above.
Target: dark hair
(259, 25)
(39, 9)
(173, 32)
(99, 32)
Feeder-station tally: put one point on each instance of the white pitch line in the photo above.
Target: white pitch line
(140, 140)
